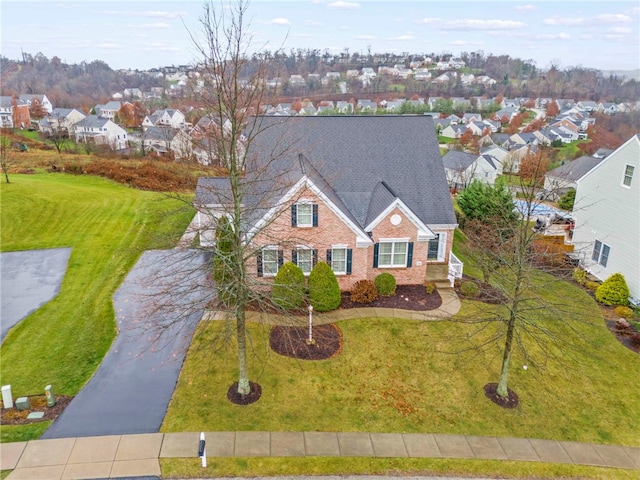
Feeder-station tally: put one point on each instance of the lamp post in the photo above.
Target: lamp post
(310, 340)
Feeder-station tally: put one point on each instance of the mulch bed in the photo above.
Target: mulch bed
(254, 394)
(491, 392)
(292, 342)
(38, 403)
(626, 337)
(407, 297)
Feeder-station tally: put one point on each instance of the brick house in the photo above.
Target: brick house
(366, 194)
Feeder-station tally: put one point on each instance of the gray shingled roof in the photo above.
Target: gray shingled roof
(93, 121)
(458, 160)
(349, 157)
(575, 169)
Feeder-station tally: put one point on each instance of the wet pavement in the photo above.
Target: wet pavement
(157, 309)
(28, 280)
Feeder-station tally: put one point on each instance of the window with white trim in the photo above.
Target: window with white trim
(628, 175)
(305, 258)
(436, 248)
(600, 253)
(270, 262)
(392, 253)
(339, 260)
(304, 214)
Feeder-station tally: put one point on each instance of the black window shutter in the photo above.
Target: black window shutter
(329, 252)
(294, 256)
(259, 260)
(315, 214)
(315, 257)
(409, 254)
(280, 258)
(294, 215)
(349, 260)
(376, 247)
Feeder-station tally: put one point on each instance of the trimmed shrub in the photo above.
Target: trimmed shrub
(469, 289)
(364, 291)
(288, 286)
(324, 291)
(579, 276)
(385, 284)
(623, 312)
(430, 287)
(590, 285)
(613, 291)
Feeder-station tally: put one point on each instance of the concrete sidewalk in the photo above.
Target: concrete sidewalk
(119, 456)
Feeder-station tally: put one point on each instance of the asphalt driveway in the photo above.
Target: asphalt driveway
(157, 309)
(28, 280)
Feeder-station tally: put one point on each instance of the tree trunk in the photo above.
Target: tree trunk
(241, 333)
(503, 389)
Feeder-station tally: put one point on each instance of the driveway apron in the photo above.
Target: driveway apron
(28, 280)
(157, 309)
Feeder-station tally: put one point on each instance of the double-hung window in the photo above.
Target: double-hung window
(269, 260)
(339, 258)
(392, 254)
(305, 258)
(600, 253)
(304, 214)
(628, 175)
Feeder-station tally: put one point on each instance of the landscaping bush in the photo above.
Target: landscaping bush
(324, 291)
(430, 287)
(567, 200)
(385, 284)
(579, 276)
(364, 291)
(469, 289)
(590, 285)
(288, 286)
(613, 291)
(623, 312)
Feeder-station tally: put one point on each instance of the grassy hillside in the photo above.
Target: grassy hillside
(107, 226)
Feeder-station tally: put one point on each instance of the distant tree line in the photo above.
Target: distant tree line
(88, 83)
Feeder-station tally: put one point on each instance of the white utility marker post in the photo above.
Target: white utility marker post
(202, 451)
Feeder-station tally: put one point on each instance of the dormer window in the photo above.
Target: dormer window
(304, 214)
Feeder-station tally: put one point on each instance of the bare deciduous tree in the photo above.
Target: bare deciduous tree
(5, 155)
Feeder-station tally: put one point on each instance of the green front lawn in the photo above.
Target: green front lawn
(107, 226)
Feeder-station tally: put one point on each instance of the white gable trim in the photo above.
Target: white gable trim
(362, 239)
(424, 232)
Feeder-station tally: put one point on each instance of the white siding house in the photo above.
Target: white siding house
(607, 217)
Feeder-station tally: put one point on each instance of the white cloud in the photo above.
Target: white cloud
(150, 25)
(365, 37)
(279, 21)
(402, 38)
(526, 8)
(554, 36)
(612, 18)
(340, 5)
(620, 30)
(465, 43)
(473, 24)
(564, 21)
(149, 14)
(313, 23)
(109, 46)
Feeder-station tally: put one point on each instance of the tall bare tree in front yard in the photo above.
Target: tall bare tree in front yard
(526, 315)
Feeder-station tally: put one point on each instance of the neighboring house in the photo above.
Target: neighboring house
(564, 177)
(366, 194)
(109, 110)
(453, 131)
(607, 223)
(462, 168)
(44, 101)
(101, 131)
(167, 118)
(60, 119)
(14, 113)
(499, 153)
(164, 139)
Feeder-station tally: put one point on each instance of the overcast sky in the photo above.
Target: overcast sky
(153, 33)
